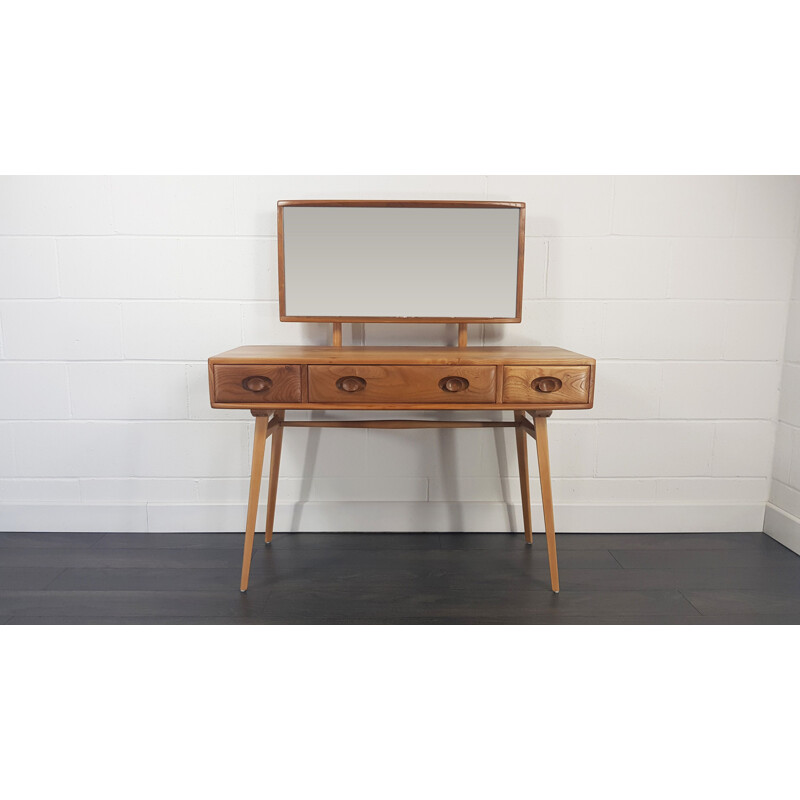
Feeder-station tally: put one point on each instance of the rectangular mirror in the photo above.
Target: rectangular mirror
(361, 261)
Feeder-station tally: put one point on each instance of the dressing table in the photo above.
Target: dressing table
(394, 257)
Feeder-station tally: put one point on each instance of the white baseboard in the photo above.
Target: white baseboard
(71, 517)
(384, 516)
(783, 527)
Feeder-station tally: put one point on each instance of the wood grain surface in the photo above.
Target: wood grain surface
(546, 384)
(401, 384)
(313, 354)
(281, 383)
(290, 387)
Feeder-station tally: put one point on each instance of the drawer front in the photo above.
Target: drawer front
(255, 383)
(401, 384)
(546, 385)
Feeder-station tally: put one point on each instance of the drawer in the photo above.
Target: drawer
(546, 385)
(401, 384)
(256, 383)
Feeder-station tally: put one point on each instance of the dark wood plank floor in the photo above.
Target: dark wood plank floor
(386, 578)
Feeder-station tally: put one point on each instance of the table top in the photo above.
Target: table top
(314, 354)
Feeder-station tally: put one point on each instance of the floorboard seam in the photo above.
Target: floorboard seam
(55, 578)
(680, 592)
(615, 558)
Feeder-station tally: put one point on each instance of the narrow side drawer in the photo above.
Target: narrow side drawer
(256, 383)
(546, 385)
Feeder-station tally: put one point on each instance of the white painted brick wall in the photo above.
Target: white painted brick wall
(28, 267)
(33, 390)
(131, 390)
(164, 206)
(727, 390)
(675, 206)
(180, 331)
(49, 206)
(753, 331)
(114, 291)
(118, 266)
(48, 330)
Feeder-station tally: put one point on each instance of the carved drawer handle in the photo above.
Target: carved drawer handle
(453, 384)
(351, 383)
(257, 383)
(546, 384)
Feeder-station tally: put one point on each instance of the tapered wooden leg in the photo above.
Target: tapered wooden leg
(524, 480)
(259, 440)
(274, 467)
(543, 456)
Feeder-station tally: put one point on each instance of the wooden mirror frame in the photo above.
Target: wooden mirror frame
(401, 204)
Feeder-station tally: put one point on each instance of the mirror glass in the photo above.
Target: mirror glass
(357, 261)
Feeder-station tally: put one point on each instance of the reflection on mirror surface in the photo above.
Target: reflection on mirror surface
(400, 262)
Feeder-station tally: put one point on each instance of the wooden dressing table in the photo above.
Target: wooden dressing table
(531, 382)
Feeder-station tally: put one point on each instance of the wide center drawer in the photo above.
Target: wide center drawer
(401, 384)
(256, 383)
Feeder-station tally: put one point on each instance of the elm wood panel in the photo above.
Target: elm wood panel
(358, 383)
(543, 457)
(259, 442)
(410, 320)
(520, 263)
(304, 383)
(400, 406)
(396, 424)
(313, 354)
(267, 383)
(281, 259)
(404, 203)
(274, 467)
(546, 384)
(524, 480)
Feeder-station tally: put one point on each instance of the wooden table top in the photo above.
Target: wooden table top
(313, 354)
